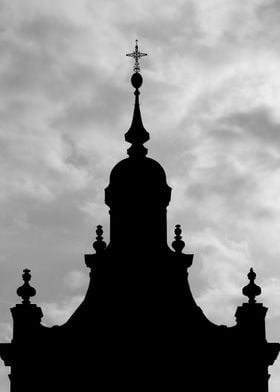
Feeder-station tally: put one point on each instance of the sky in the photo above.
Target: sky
(211, 102)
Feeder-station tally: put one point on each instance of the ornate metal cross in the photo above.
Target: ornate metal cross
(136, 55)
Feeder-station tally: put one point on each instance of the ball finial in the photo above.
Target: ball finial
(136, 80)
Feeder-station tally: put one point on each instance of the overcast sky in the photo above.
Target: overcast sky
(211, 102)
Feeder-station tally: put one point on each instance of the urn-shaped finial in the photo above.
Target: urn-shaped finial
(26, 291)
(251, 290)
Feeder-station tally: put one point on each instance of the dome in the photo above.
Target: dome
(142, 180)
(138, 170)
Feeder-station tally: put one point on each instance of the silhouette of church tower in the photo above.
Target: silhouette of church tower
(138, 327)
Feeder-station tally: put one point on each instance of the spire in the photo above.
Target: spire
(137, 134)
(26, 291)
(251, 290)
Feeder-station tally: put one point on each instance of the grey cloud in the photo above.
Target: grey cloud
(269, 15)
(103, 106)
(258, 123)
(223, 181)
(74, 155)
(252, 136)
(39, 58)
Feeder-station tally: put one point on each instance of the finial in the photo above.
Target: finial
(136, 55)
(251, 290)
(99, 245)
(26, 291)
(178, 244)
(137, 134)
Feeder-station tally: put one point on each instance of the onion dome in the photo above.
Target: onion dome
(144, 181)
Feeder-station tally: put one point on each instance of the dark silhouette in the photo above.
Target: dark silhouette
(139, 327)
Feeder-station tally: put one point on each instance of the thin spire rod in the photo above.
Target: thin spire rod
(136, 55)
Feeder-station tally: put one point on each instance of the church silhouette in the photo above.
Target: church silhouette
(139, 327)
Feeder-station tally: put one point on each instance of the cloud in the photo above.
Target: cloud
(274, 380)
(271, 296)
(251, 23)
(224, 265)
(6, 331)
(4, 378)
(59, 312)
(76, 280)
(98, 211)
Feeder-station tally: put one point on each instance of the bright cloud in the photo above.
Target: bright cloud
(57, 313)
(76, 280)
